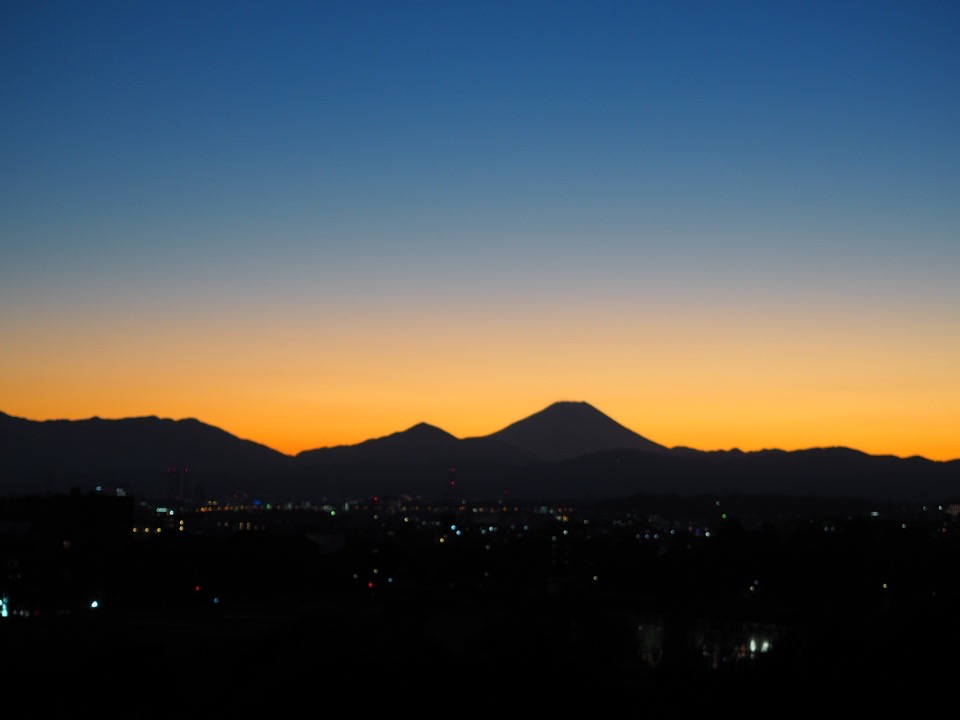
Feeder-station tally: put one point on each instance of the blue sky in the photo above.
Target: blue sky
(535, 171)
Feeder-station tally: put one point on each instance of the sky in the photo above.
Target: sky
(723, 224)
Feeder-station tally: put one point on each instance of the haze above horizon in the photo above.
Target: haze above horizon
(722, 225)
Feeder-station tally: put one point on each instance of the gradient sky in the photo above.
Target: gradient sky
(723, 224)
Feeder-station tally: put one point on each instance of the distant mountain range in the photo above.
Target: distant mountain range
(569, 450)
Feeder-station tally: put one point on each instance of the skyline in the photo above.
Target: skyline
(492, 434)
(722, 226)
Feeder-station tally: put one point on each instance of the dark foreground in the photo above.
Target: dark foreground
(382, 606)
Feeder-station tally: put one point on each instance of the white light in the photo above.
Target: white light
(753, 645)
(94, 604)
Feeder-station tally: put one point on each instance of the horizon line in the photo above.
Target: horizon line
(678, 447)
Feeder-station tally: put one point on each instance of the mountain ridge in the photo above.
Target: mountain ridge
(422, 424)
(567, 429)
(569, 448)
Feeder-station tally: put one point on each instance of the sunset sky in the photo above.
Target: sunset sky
(722, 224)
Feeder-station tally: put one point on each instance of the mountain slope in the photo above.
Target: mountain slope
(418, 444)
(134, 453)
(818, 472)
(569, 429)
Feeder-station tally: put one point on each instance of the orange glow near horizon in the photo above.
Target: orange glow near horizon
(699, 383)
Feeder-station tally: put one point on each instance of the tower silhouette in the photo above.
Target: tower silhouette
(176, 485)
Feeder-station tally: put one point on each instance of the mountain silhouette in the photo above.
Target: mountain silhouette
(420, 460)
(416, 444)
(135, 454)
(569, 450)
(834, 472)
(421, 443)
(569, 429)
